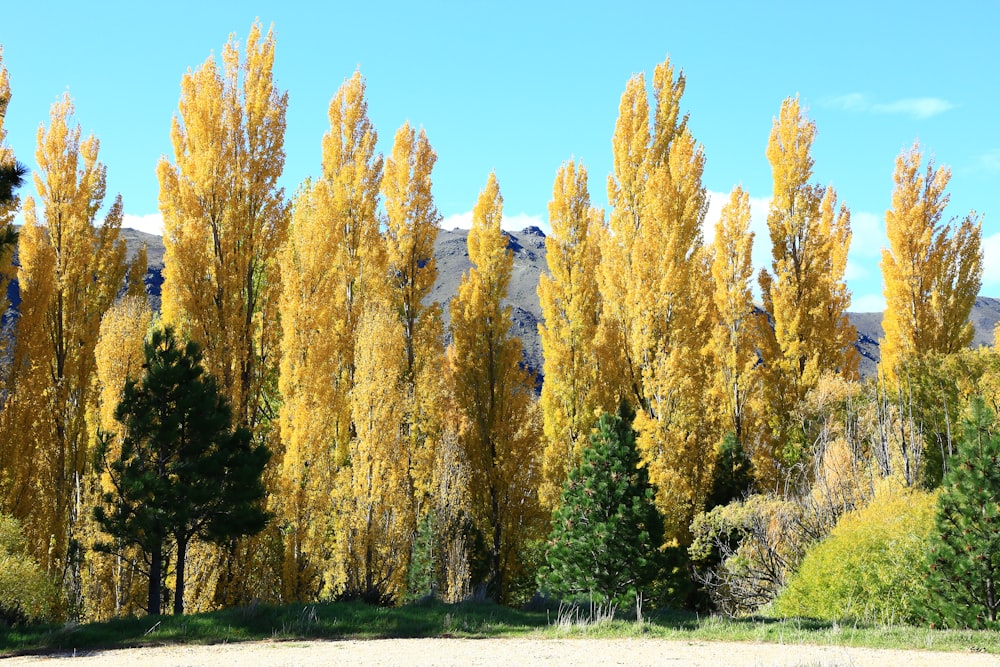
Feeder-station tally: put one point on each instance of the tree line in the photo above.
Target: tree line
(392, 466)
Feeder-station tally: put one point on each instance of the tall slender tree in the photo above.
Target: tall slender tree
(493, 398)
(411, 229)
(805, 294)
(72, 268)
(573, 389)
(734, 338)
(655, 290)
(225, 219)
(932, 272)
(333, 264)
(12, 175)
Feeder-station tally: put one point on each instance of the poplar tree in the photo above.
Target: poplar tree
(932, 271)
(570, 302)
(493, 398)
(225, 219)
(373, 497)
(734, 337)
(655, 289)
(805, 294)
(72, 268)
(333, 263)
(411, 227)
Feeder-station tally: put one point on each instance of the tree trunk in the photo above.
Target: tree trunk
(179, 585)
(155, 577)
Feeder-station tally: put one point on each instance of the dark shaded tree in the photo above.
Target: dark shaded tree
(964, 559)
(183, 473)
(606, 534)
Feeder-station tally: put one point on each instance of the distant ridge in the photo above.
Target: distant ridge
(528, 247)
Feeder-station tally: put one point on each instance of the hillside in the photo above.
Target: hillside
(528, 246)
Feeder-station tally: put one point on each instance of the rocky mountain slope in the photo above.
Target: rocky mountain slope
(528, 246)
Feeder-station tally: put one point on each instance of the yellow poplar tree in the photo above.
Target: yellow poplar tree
(113, 584)
(656, 293)
(932, 272)
(411, 229)
(805, 295)
(72, 268)
(332, 264)
(374, 499)
(493, 398)
(570, 301)
(224, 220)
(734, 338)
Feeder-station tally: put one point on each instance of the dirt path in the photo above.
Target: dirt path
(526, 652)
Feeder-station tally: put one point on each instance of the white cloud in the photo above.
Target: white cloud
(850, 102)
(868, 303)
(151, 223)
(510, 223)
(917, 107)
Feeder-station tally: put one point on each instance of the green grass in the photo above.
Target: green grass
(358, 621)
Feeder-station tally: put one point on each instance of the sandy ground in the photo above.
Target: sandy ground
(577, 652)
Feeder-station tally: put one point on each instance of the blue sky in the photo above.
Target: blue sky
(519, 87)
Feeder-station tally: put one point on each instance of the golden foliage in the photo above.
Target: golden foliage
(224, 222)
(411, 229)
(573, 391)
(656, 294)
(932, 271)
(113, 585)
(805, 294)
(224, 219)
(736, 384)
(71, 270)
(493, 398)
(373, 495)
(333, 264)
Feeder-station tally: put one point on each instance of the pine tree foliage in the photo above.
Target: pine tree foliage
(964, 560)
(570, 302)
(72, 267)
(182, 473)
(656, 293)
(493, 398)
(804, 294)
(932, 271)
(606, 532)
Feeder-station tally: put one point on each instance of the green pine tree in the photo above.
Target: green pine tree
(964, 559)
(182, 472)
(606, 535)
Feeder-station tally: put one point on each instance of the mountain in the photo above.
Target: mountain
(528, 247)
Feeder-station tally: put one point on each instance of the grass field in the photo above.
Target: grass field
(473, 619)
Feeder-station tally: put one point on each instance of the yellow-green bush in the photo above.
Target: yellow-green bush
(26, 594)
(869, 568)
